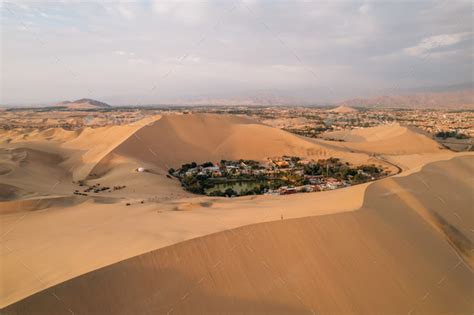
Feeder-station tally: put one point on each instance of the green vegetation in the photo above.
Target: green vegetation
(451, 134)
(284, 175)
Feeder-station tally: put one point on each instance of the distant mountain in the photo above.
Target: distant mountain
(342, 110)
(449, 99)
(440, 88)
(83, 103)
(240, 101)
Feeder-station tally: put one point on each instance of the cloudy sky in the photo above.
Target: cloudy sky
(142, 52)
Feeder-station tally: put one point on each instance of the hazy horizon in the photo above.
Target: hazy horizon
(158, 52)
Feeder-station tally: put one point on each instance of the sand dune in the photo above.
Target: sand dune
(174, 140)
(23, 204)
(39, 164)
(57, 135)
(46, 162)
(32, 172)
(342, 110)
(37, 170)
(388, 139)
(93, 234)
(93, 145)
(384, 258)
(170, 141)
(368, 134)
(9, 192)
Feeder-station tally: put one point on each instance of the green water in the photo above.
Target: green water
(239, 187)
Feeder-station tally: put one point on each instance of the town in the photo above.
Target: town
(277, 176)
(310, 121)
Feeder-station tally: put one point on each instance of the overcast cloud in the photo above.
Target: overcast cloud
(146, 52)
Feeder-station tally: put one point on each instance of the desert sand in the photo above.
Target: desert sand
(342, 109)
(383, 258)
(201, 137)
(387, 139)
(40, 172)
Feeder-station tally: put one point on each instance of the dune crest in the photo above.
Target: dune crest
(177, 139)
(387, 139)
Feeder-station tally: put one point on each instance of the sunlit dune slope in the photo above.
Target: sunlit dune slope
(92, 145)
(442, 194)
(402, 253)
(388, 139)
(46, 162)
(31, 172)
(177, 139)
